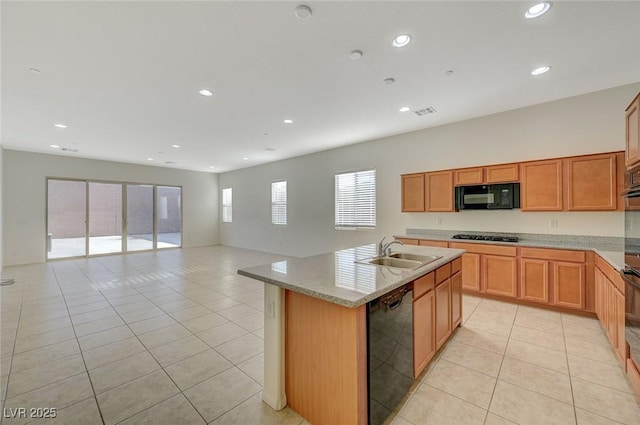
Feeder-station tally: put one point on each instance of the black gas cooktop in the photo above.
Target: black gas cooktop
(486, 238)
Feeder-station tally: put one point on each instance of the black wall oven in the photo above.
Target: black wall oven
(631, 273)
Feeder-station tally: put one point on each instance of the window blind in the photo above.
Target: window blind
(227, 201)
(356, 199)
(279, 202)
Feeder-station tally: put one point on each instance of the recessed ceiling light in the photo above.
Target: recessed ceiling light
(149, 159)
(404, 109)
(537, 10)
(245, 159)
(401, 40)
(54, 146)
(355, 55)
(388, 81)
(540, 70)
(211, 166)
(175, 146)
(60, 125)
(205, 92)
(287, 121)
(303, 12)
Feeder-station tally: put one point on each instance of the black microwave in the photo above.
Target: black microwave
(488, 197)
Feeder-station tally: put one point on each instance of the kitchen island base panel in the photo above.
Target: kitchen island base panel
(326, 358)
(273, 392)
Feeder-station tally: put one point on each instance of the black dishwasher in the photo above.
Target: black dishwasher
(390, 351)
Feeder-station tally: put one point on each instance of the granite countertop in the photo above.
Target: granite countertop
(337, 278)
(609, 248)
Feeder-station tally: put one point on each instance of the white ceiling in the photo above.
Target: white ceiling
(124, 76)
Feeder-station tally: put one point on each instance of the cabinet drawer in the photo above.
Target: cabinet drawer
(606, 268)
(502, 173)
(456, 265)
(423, 285)
(408, 241)
(481, 248)
(443, 273)
(554, 254)
(429, 242)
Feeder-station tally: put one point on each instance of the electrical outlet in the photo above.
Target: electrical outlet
(271, 309)
(439, 222)
(553, 223)
(627, 226)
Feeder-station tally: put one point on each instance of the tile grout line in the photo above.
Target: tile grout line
(501, 362)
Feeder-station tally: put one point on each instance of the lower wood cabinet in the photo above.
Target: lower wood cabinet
(471, 271)
(437, 310)
(569, 284)
(443, 312)
(500, 275)
(609, 289)
(534, 280)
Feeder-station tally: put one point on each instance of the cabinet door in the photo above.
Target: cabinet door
(599, 283)
(424, 341)
(534, 280)
(439, 191)
(632, 120)
(503, 173)
(471, 271)
(592, 183)
(413, 192)
(468, 176)
(612, 329)
(569, 284)
(541, 187)
(456, 299)
(499, 275)
(428, 242)
(443, 312)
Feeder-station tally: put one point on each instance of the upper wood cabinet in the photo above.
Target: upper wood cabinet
(469, 176)
(503, 173)
(592, 182)
(439, 191)
(413, 192)
(632, 127)
(541, 185)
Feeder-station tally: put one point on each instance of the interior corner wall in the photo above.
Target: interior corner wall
(24, 190)
(585, 124)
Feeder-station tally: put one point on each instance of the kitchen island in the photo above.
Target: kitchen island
(316, 346)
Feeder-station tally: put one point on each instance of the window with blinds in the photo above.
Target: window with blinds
(356, 200)
(227, 201)
(279, 203)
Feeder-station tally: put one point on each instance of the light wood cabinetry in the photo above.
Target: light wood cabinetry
(632, 132)
(413, 192)
(313, 330)
(534, 280)
(407, 241)
(439, 191)
(500, 276)
(541, 185)
(503, 173)
(424, 340)
(427, 242)
(437, 310)
(569, 284)
(592, 182)
(471, 271)
(469, 176)
(610, 306)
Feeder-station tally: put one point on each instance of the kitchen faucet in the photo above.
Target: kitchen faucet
(385, 249)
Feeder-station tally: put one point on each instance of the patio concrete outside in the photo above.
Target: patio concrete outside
(75, 247)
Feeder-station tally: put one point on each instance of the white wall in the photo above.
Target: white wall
(24, 187)
(585, 124)
(1, 209)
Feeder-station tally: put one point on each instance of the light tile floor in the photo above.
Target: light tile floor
(175, 337)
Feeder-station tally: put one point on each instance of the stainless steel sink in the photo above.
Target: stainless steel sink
(401, 260)
(394, 262)
(424, 259)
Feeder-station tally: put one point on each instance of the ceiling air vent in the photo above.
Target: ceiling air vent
(170, 162)
(69, 150)
(425, 111)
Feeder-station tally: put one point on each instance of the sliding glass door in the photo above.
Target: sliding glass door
(87, 218)
(66, 218)
(105, 218)
(139, 217)
(169, 210)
